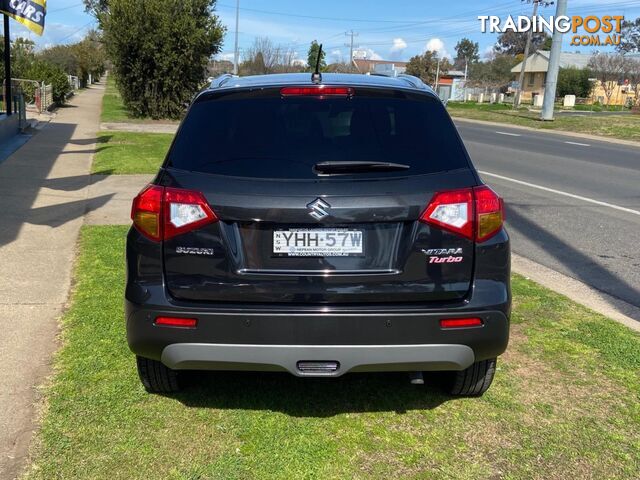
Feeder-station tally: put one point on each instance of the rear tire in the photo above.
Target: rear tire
(473, 381)
(156, 377)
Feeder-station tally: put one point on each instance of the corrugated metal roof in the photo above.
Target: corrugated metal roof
(539, 61)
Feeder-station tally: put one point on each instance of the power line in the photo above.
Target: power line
(64, 8)
(73, 33)
(284, 14)
(439, 19)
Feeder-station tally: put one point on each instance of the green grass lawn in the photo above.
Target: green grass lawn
(625, 127)
(113, 109)
(120, 153)
(565, 404)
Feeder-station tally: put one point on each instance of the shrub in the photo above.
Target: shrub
(160, 50)
(51, 74)
(573, 81)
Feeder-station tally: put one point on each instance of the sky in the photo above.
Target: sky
(389, 30)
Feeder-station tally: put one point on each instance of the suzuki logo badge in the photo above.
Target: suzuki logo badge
(318, 208)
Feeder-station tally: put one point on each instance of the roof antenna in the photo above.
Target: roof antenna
(316, 76)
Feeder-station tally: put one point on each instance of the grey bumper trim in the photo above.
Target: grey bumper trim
(355, 358)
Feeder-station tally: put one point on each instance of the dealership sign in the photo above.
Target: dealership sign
(30, 13)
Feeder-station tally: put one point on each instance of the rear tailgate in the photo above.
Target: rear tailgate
(396, 265)
(288, 235)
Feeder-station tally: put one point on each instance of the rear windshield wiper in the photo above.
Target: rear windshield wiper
(357, 167)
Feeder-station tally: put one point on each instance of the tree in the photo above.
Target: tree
(159, 49)
(425, 66)
(63, 56)
(574, 81)
(494, 73)
(218, 67)
(90, 57)
(51, 75)
(630, 41)
(312, 57)
(96, 7)
(264, 57)
(513, 43)
(609, 70)
(466, 52)
(633, 75)
(25, 63)
(22, 55)
(339, 67)
(81, 59)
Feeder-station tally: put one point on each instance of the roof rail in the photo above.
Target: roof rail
(219, 81)
(415, 82)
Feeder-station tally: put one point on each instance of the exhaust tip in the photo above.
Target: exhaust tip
(318, 366)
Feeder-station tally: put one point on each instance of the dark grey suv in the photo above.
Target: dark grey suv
(318, 228)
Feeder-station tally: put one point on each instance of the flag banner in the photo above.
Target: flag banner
(30, 13)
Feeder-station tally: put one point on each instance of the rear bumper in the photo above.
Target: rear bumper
(316, 360)
(359, 338)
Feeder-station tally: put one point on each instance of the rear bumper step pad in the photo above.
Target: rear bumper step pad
(297, 358)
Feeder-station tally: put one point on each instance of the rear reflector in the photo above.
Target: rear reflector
(316, 91)
(176, 322)
(461, 322)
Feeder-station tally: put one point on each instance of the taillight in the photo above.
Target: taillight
(452, 210)
(489, 213)
(162, 212)
(146, 212)
(185, 210)
(475, 213)
(317, 91)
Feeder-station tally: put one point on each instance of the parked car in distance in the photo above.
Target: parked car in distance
(318, 227)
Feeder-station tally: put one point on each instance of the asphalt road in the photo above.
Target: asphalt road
(573, 204)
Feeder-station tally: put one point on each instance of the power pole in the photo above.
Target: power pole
(554, 67)
(236, 53)
(516, 102)
(466, 69)
(350, 44)
(437, 76)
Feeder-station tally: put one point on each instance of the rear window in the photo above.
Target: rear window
(263, 135)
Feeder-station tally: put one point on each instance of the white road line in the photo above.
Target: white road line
(578, 143)
(510, 134)
(565, 194)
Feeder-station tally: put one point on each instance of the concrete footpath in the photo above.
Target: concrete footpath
(43, 199)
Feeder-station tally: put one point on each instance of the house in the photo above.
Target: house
(367, 65)
(451, 85)
(535, 76)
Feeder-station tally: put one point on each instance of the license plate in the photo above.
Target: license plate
(318, 242)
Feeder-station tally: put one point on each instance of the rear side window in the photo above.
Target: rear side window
(263, 135)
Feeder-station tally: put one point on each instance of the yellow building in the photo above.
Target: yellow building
(536, 76)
